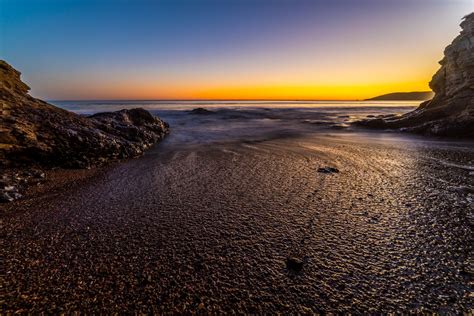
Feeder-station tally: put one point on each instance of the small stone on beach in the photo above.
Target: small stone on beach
(328, 170)
(10, 188)
(294, 264)
(5, 197)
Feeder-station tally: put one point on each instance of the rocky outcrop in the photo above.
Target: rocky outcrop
(201, 111)
(451, 111)
(34, 133)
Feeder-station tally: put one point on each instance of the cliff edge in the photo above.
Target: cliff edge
(451, 111)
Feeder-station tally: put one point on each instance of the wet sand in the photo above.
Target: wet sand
(208, 228)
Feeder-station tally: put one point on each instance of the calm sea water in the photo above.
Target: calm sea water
(248, 120)
(87, 107)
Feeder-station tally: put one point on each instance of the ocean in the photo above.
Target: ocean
(248, 120)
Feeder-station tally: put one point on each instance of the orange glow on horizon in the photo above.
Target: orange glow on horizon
(318, 91)
(350, 82)
(269, 92)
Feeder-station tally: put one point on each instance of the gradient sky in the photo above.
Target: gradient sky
(227, 49)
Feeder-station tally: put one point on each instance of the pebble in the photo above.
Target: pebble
(10, 188)
(5, 197)
(328, 170)
(294, 264)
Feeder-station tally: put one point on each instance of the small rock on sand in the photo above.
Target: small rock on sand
(5, 197)
(328, 170)
(294, 264)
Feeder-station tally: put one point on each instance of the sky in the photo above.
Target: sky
(227, 49)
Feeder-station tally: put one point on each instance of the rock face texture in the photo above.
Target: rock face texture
(33, 132)
(451, 111)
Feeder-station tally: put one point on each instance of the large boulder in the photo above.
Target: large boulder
(451, 111)
(33, 132)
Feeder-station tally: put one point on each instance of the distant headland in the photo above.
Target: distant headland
(404, 96)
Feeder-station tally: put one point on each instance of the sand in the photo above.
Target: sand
(209, 228)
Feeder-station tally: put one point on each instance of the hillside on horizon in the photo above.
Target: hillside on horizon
(404, 96)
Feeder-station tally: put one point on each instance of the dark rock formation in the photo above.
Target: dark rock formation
(404, 96)
(451, 111)
(35, 134)
(201, 111)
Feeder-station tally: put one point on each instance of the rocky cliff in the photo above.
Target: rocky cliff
(451, 111)
(35, 134)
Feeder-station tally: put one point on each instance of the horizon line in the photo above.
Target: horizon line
(230, 100)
